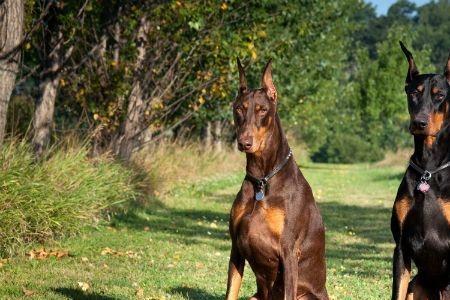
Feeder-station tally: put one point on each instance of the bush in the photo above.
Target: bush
(344, 148)
(41, 201)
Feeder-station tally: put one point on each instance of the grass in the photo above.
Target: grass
(177, 248)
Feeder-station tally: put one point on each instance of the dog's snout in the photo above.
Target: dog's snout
(420, 123)
(245, 143)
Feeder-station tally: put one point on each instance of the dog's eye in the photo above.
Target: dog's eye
(263, 110)
(414, 94)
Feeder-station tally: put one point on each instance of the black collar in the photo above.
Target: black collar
(423, 185)
(261, 183)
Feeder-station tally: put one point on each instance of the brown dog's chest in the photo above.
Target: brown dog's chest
(258, 228)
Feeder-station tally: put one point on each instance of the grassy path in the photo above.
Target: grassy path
(178, 248)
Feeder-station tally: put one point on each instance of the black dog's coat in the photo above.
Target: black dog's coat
(420, 220)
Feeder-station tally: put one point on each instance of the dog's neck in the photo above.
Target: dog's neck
(432, 151)
(274, 152)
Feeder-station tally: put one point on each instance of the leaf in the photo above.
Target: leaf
(140, 293)
(27, 293)
(84, 286)
(3, 262)
(44, 254)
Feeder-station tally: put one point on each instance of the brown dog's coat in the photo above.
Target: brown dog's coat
(282, 237)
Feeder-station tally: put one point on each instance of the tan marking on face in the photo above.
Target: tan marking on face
(435, 90)
(245, 104)
(402, 208)
(445, 207)
(436, 121)
(260, 137)
(429, 141)
(275, 220)
(435, 124)
(420, 88)
(404, 282)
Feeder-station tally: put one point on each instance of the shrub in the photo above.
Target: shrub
(344, 148)
(56, 197)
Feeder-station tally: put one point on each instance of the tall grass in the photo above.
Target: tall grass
(56, 197)
(171, 163)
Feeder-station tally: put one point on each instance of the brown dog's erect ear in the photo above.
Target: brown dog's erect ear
(267, 82)
(412, 69)
(447, 69)
(242, 79)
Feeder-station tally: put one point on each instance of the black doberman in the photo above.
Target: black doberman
(420, 220)
(274, 223)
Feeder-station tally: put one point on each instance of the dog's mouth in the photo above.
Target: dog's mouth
(423, 132)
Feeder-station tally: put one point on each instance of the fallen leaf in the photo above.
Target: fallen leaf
(27, 293)
(146, 228)
(83, 285)
(140, 293)
(129, 253)
(41, 253)
(3, 262)
(84, 259)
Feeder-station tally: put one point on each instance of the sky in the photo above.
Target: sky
(383, 5)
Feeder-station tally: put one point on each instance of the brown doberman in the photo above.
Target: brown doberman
(275, 223)
(420, 221)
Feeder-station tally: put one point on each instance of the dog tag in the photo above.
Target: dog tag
(423, 187)
(259, 195)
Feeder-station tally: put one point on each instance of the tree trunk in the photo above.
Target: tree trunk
(218, 136)
(136, 106)
(11, 30)
(116, 52)
(45, 104)
(208, 135)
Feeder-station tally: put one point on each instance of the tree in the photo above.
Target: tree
(434, 29)
(11, 31)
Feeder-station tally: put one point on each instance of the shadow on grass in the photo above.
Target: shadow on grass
(189, 225)
(370, 225)
(397, 176)
(76, 294)
(194, 293)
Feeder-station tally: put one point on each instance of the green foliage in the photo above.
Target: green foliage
(337, 66)
(41, 201)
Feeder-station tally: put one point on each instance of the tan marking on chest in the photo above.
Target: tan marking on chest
(445, 206)
(275, 220)
(402, 208)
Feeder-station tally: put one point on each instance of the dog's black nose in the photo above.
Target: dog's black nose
(421, 124)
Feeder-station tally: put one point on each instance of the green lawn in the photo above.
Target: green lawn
(178, 248)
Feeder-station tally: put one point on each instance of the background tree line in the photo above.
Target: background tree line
(125, 74)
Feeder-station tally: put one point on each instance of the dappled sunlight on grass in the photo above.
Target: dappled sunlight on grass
(180, 247)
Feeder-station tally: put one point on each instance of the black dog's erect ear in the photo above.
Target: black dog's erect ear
(242, 79)
(412, 69)
(447, 69)
(267, 82)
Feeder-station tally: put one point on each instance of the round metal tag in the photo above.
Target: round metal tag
(259, 195)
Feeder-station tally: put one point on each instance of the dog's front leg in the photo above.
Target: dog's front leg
(290, 268)
(235, 273)
(401, 274)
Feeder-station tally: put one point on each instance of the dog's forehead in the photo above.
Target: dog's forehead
(253, 97)
(428, 81)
